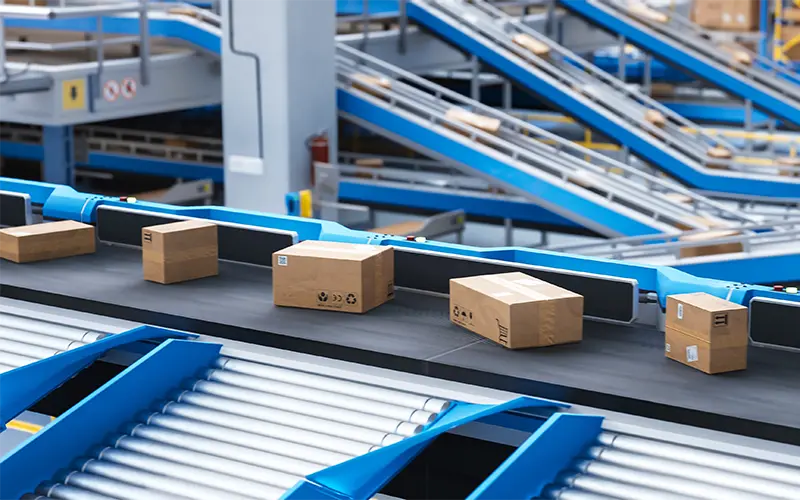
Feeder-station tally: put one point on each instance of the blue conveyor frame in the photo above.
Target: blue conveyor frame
(63, 202)
(553, 444)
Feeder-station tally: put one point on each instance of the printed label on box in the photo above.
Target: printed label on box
(283, 260)
(668, 348)
(680, 311)
(691, 353)
(335, 299)
(462, 315)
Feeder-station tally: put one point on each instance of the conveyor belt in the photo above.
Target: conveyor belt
(615, 367)
(243, 430)
(628, 466)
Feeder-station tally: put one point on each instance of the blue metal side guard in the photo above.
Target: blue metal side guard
(364, 476)
(24, 386)
(102, 413)
(537, 462)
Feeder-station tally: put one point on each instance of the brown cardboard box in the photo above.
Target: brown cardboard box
(516, 310)
(531, 44)
(727, 15)
(712, 248)
(789, 33)
(706, 332)
(333, 276)
(49, 240)
(485, 123)
(180, 251)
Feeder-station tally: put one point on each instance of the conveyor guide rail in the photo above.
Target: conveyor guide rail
(244, 430)
(572, 71)
(640, 192)
(15, 209)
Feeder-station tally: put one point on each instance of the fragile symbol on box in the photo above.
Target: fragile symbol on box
(462, 315)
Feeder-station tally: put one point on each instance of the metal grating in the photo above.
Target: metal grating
(244, 430)
(25, 340)
(625, 466)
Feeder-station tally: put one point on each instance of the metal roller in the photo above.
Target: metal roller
(32, 338)
(307, 408)
(277, 431)
(154, 481)
(688, 455)
(304, 422)
(196, 476)
(246, 439)
(114, 488)
(339, 400)
(225, 450)
(694, 472)
(382, 394)
(662, 482)
(66, 492)
(15, 360)
(233, 468)
(50, 329)
(29, 350)
(619, 490)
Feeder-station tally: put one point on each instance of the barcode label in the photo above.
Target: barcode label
(283, 260)
(680, 311)
(691, 353)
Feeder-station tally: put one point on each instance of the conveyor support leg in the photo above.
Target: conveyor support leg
(59, 155)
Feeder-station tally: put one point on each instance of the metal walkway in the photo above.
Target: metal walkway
(585, 92)
(630, 466)
(678, 41)
(244, 430)
(419, 114)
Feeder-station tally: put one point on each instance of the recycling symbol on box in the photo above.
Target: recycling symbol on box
(351, 298)
(322, 296)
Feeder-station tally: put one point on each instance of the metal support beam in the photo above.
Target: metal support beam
(58, 166)
(279, 90)
(623, 59)
(475, 80)
(144, 44)
(748, 123)
(508, 226)
(648, 74)
(2, 51)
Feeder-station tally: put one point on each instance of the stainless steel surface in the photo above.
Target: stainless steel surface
(231, 435)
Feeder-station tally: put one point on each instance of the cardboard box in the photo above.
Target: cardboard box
(711, 248)
(49, 240)
(333, 276)
(180, 251)
(531, 44)
(516, 310)
(706, 332)
(727, 15)
(788, 34)
(485, 123)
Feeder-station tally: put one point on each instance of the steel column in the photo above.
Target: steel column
(58, 166)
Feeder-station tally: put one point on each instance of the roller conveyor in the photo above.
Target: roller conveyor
(26, 340)
(627, 466)
(244, 430)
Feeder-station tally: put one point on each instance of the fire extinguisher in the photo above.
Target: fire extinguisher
(318, 145)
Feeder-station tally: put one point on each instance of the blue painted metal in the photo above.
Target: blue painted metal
(538, 461)
(712, 113)
(591, 208)
(639, 142)
(176, 28)
(634, 69)
(355, 7)
(58, 162)
(730, 81)
(364, 476)
(764, 269)
(24, 386)
(63, 202)
(84, 426)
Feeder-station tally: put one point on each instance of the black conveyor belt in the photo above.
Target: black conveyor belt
(619, 368)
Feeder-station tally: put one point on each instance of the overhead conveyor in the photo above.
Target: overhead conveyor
(769, 86)
(445, 125)
(585, 92)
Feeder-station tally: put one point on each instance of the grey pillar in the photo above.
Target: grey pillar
(279, 89)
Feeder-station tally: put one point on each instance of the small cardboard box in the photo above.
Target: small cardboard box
(333, 276)
(712, 248)
(740, 15)
(49, 240)
(516, 310)
(180, 251)
(706, 332)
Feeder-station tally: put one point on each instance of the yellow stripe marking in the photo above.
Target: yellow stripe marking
(24, 426)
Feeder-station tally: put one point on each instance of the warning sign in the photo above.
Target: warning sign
(128, 88)
(111, 90)
(73, 94)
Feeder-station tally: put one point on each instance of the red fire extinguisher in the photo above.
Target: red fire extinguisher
(318, 145)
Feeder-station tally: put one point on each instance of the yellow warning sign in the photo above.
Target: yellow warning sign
(73, 94)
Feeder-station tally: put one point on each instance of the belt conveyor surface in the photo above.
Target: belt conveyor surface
(616, 367)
